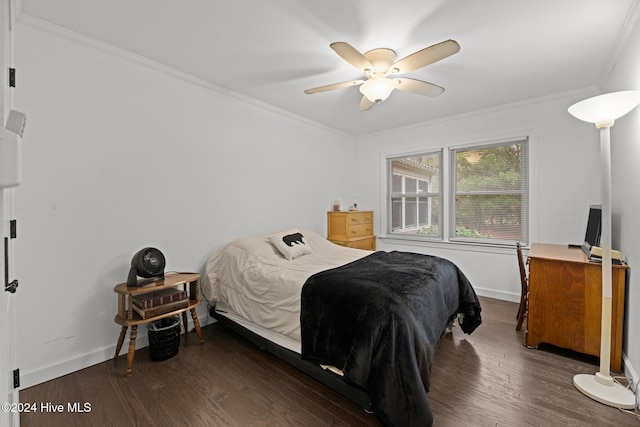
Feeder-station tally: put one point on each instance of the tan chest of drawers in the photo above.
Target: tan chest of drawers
(353, 229)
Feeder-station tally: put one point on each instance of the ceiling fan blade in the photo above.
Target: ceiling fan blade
(365, 104)
(352, 55)
(426, 56)
(333, 86)
(418, 87)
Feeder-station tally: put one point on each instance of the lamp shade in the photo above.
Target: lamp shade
(603, 110)
(378, 89)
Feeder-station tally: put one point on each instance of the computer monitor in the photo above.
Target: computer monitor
(594, 228)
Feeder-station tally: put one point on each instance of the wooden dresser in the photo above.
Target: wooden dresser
(353, 229)
(565, 301)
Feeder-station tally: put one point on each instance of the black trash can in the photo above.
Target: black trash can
(164, 338)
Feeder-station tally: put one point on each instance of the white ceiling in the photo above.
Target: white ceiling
(271, 50)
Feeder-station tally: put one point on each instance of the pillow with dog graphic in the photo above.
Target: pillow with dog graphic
(290, 243)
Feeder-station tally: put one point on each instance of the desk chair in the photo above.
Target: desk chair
(524, 292)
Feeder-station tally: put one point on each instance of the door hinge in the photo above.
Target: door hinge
(16, 378)
(12, 77)
(13, 228)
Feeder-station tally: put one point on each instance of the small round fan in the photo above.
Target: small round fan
(147, 263)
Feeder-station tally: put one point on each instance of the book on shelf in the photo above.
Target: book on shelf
(159, 297)
(147, 313)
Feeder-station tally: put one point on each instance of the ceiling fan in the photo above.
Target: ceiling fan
(378, 65)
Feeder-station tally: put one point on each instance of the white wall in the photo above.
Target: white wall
(625, 162)
(562, 187)
(119, 156)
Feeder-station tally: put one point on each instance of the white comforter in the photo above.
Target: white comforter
(250, 277)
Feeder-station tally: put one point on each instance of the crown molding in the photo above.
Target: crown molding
(64, 33)
(628, 27)
(576, 93)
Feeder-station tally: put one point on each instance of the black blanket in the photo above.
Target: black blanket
(379, 319)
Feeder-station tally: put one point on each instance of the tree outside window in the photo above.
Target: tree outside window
(490, 196)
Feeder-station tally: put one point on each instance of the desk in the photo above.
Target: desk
(565, 301)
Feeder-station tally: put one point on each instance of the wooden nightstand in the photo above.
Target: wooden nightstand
(127, 316)
(353, 229)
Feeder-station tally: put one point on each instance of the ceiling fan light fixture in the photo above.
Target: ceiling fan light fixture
(378, 64)
(378, 89)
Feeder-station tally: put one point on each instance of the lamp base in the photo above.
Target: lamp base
(613, 395)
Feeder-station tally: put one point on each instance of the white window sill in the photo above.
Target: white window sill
(468, 246)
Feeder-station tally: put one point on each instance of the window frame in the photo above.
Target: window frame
(447, 193)
(391, 194)
(524, 207)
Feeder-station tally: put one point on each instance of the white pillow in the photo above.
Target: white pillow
(290, 243)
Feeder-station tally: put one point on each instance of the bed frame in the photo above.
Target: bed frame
(326, 377)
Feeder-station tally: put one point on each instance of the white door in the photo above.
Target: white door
(9, 417)
(8, 393)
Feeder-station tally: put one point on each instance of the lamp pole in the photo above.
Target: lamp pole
(605, 242)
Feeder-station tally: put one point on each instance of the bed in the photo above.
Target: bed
(372, 318)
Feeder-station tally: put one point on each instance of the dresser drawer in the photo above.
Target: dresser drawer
(367, 243)
(360, 230)
(360, 218)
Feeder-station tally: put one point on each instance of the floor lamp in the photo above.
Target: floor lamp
(603, 110)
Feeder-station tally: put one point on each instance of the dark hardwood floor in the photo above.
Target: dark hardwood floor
(485, 379)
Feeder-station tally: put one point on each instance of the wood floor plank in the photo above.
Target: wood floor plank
(485, 379)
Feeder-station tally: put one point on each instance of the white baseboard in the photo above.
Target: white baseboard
(501, 295)
(47, 373)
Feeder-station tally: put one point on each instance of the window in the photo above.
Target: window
(415, 194)
(487, 189)
(490, 192)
